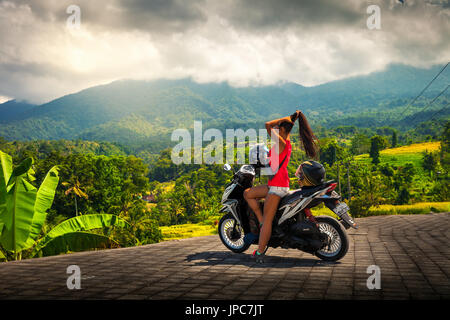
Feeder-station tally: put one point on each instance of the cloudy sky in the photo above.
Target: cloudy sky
(244, 42)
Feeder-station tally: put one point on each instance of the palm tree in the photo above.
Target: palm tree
(76, 189)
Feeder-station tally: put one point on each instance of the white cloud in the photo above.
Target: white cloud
(40, 59)
(4, 99)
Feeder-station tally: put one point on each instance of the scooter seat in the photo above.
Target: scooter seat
(302, 193)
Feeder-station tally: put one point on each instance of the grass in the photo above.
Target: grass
(389, 209)
(417, 208)
(182, 231)
(208, 227)
(413, 148)
(402, 155)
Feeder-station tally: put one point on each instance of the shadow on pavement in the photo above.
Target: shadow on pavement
(210, 258)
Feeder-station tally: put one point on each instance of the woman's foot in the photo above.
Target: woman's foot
(259, 257)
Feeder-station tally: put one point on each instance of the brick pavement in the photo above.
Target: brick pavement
(411, 250)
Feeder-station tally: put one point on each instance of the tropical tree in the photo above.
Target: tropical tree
(76, 190)
(360, 144)
(403, 196)
(144, 230)
(377, 143)
(394, 139)
(430, 161)
(23, 210)
(366, 185)
(445, 148)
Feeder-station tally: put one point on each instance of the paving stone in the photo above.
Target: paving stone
(410, 250)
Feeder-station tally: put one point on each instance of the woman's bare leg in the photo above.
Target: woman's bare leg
(252, 195)
(270, 208)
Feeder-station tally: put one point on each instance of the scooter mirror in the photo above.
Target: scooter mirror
(226, 167)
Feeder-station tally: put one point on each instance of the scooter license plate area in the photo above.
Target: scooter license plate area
(341, 209)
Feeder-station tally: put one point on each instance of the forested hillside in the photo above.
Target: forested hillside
(131, 111)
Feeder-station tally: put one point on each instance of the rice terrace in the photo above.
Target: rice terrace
(399, 156)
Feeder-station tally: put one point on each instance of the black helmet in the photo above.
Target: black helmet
(311, 173)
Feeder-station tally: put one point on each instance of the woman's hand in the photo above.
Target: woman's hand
(275, 124)
(295, 116)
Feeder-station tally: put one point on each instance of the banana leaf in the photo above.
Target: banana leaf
(16, 212)
(21, 169)
(2, 256)
(44, 199)
(81, 223)
(23, 208)
(5, 174)
(75, 242)
(18, 216)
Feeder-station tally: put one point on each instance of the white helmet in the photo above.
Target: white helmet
(259, 155)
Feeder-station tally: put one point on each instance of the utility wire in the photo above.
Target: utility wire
(448, 104)
(414, 100)
(439, 111)
(423, 110)
(423, 90)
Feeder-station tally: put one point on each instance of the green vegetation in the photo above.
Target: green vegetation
(23, 211)
(142, 114)
(95, 183)
(189, 230)
(113, 150)
(407, 154)
(387, 209)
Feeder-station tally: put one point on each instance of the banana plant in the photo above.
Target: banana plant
(71, 235)
(23, 210)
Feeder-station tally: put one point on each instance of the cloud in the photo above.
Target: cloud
(267, 15)
(243, 42)
(156, 16)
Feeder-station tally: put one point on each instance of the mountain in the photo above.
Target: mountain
(144, 109)
(14, 110)
(132, 111)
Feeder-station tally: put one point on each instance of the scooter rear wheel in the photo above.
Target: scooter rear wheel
(338, 238)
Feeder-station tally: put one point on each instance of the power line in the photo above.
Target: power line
(439, 111)
(414, 100)
(448, 104)
(423, 90)
(426, 107)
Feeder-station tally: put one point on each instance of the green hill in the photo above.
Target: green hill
(14, 110)
(132, 111)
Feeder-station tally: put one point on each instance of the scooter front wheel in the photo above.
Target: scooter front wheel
(231, 234)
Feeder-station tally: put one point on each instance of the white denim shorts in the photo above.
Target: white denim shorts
(279, 191)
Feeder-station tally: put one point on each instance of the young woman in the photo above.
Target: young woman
(278, 186)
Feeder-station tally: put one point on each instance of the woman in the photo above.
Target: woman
(278, 186)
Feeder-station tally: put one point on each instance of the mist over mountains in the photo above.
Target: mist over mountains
(129, 111)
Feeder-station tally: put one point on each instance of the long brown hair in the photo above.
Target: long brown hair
(306, 135)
